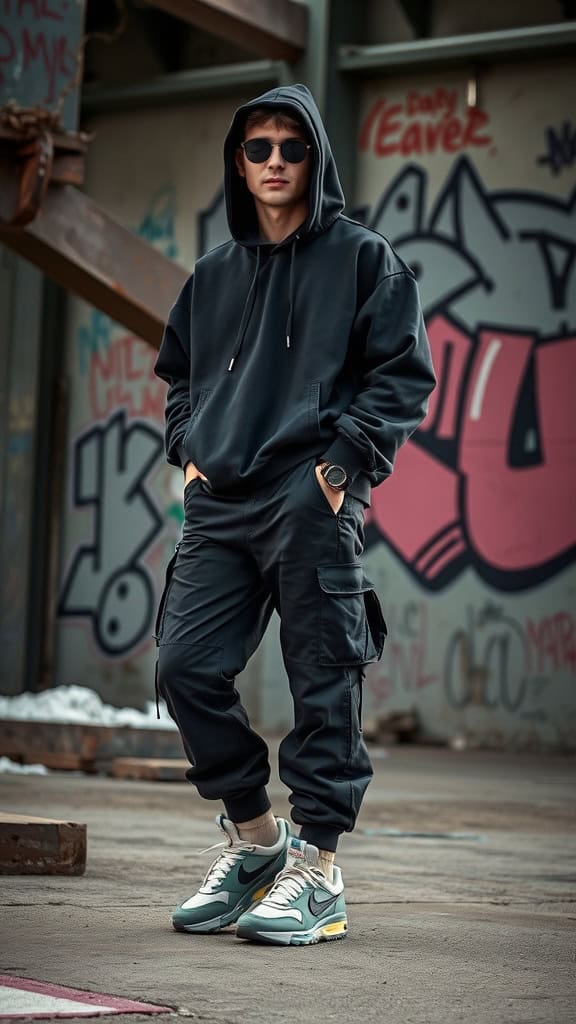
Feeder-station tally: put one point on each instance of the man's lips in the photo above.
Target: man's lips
(276, 181)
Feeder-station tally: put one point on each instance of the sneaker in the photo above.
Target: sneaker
(239, 877)
(302, 906)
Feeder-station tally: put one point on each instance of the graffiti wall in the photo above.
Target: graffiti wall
(473, 539)
(123, 503)
(472, 542)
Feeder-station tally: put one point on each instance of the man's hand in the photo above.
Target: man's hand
(191, 472)
(334, 498)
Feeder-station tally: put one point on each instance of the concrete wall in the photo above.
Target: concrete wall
(471, 543)
(473, 539)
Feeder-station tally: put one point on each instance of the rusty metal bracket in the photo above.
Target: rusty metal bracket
(32, 157)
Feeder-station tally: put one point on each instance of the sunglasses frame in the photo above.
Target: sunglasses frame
(273, 145)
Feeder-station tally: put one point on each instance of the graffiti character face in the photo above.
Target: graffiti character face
(276, 182)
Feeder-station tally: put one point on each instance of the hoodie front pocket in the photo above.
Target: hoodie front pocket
(352, 627)
(200, 403)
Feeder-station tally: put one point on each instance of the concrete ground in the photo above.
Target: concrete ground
(476, 928)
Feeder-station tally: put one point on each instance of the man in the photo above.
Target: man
(297, 364)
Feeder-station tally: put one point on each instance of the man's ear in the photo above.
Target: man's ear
(239, 158)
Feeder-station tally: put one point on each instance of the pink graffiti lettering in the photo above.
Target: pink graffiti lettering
(552, 643)
(406, 653)
(123, 376)
(451, 350)
(519, 517)
(512, 518)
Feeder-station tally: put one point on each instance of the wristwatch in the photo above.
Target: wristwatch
(335, 476)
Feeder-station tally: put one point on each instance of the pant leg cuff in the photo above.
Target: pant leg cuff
(322, 836)
(247, 805)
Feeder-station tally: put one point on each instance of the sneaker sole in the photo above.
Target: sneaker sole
(327, 931)
(215, 924)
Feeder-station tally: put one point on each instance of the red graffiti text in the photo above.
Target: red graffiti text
(552, 643)
(423, 123)
(404, 663)
(34, 47)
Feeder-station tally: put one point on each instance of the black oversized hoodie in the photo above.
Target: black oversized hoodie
(279, 352)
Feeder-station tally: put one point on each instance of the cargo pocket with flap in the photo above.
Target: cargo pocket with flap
(352, 627)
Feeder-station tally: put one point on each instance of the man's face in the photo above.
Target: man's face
(275, 182)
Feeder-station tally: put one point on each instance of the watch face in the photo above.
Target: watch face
(335, 476)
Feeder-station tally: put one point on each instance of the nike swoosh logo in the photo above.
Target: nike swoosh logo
(318, 907)
(245, 877)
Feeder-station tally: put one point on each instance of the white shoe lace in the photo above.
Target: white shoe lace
(223, 863)
(290, 883)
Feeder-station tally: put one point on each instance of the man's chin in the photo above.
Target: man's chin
(277, 199)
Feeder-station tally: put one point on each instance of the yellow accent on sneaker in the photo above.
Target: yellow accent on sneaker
(260, 893)
(336, 928)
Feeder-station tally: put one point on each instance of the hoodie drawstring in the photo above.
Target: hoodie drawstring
(291, 292)
(251, 299)
(247, 313)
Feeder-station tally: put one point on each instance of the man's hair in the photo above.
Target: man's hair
(281, 118)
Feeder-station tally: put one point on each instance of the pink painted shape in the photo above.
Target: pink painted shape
(519, 518)
(451, 351)
(116, 1003)
(444, 561)
(419, 501)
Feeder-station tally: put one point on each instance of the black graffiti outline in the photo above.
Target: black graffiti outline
(501, 643)
(94, 548)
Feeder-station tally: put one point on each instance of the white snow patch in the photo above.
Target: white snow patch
(82, 706)
(8, 767)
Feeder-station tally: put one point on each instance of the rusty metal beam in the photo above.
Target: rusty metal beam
(83, 249)
(277, 30)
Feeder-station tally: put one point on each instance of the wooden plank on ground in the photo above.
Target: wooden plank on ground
(41, 846)
(84, 747)
(159, 769)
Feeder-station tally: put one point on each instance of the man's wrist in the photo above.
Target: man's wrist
(335, 476)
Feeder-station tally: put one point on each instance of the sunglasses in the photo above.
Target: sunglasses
(258, 150)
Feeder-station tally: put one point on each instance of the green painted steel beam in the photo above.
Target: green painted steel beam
(184, 85)
(369, 60)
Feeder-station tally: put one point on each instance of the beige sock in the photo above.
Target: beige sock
(262, 830)
(326, 863)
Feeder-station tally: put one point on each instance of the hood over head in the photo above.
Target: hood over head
(325, 197)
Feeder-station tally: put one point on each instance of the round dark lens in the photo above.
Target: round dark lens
(257, 150)
(294, 151)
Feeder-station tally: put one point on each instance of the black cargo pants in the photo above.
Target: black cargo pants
(239, 558)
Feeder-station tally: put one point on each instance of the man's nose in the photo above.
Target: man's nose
(276, 159)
